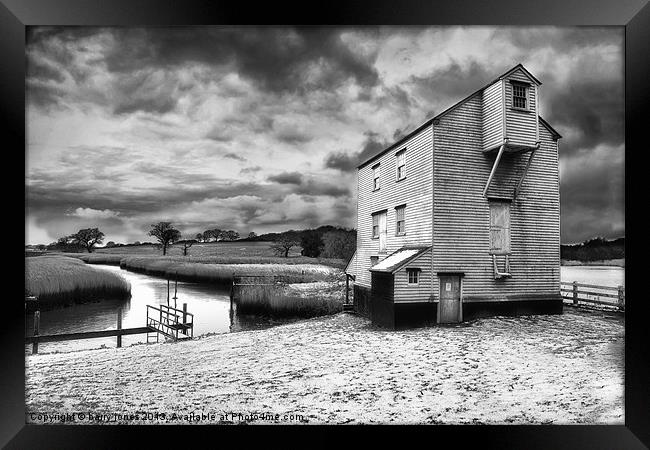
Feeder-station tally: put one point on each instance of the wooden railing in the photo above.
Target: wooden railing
(576, 293)
(169, 321)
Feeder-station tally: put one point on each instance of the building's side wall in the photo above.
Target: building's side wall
(415, 191)
(493, 115)
(521, 126)
(421, 292)
(461, 214)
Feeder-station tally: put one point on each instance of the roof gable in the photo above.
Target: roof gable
(434, 119)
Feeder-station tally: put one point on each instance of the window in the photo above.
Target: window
(375, 225)
(414, 275)
(401, 164)
(374, 260)
(376, 182)
(519, 96)
(400, 223)
(499, 227)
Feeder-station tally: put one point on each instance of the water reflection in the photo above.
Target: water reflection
(210, 305)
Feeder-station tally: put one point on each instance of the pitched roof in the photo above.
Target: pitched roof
(398, 259)
(451, 108)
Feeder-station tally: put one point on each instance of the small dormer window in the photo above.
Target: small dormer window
(519, 96)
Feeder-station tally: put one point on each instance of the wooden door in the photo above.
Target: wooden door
(383, 231)
(449, 311)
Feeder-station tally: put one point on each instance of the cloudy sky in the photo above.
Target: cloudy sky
(260, 129)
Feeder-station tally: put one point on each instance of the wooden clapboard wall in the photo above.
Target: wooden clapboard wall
(461, 213)
(415, 191)
(421, 292)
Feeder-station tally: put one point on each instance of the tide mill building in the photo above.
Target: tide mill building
(461, 217)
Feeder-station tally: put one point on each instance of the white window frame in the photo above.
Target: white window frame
(400, 155)
(376, 177)
(504, 228)
(417, 275)
(525, 95)
(375, 225)
(397, 221)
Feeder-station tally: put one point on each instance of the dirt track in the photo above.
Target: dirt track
(338, 369)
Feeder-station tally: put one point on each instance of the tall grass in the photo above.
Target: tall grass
(58, 280)
(178, 268)
(290, 300)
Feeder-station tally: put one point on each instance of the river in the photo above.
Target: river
(209, 304)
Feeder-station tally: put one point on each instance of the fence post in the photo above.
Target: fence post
(184, 313)
(119, 327)
(575, 293)
(37, 323)
(621, 298)
(347, 289)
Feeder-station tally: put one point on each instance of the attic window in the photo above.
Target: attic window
(519, 96)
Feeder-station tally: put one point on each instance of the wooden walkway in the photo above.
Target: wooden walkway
(172, 323)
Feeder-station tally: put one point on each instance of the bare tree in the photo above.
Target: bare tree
(186, 243)
(165, 233)
(284, 243)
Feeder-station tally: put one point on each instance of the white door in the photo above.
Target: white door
(382, 232)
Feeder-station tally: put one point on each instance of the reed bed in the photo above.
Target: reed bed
(178, 268)
(60, 280)
(290, 300)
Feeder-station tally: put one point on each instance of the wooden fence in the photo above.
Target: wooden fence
(576, 293)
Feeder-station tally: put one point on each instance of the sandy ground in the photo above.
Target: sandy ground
(339, 369)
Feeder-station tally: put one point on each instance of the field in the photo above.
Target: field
(558, 369)
(203, 249)
(204, 253)
(60, 280)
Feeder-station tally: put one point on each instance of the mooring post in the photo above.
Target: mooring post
(575, 293)
(347, 288)
(119, 327)
(37, 323)
(167, 291)
(621, 298)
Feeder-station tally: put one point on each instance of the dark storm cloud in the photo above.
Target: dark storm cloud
(452, 83)
(286, 178)
(234, 156)
(594, 108)
(276, 59)
(347, 162)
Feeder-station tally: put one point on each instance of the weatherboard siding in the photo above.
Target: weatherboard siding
(492, 99)
(461, 213)
(521, 126)
(421, 292)
(415, 191)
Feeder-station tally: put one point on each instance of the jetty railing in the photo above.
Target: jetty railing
(575, 293)
(171, 322)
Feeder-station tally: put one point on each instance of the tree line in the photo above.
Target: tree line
(595, 249)
(326, 241)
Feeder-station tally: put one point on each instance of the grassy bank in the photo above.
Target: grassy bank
(59, 280)
(202, 272)
(291, 300)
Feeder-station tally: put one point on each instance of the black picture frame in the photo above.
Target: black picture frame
(634, 15)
